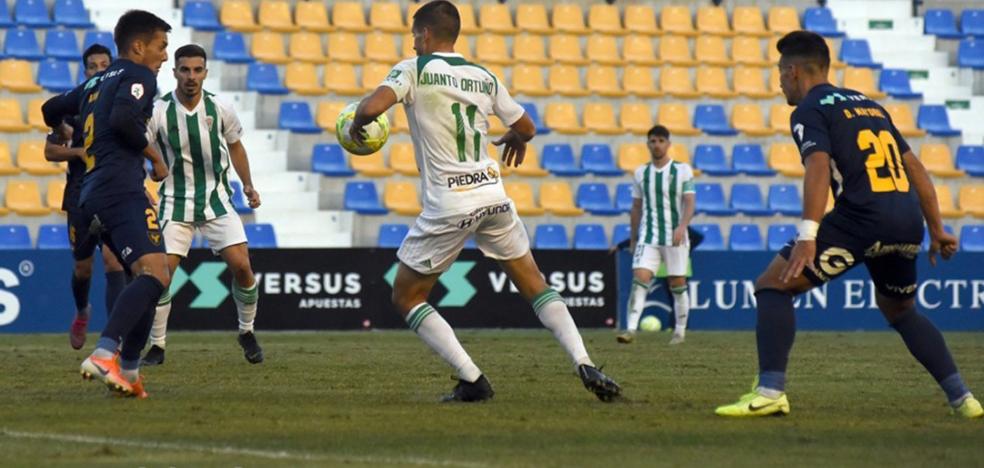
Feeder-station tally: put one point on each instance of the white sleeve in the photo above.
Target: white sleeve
(232, 129)
(636, 185)
(687, 178)
(153, 125)
(402, 79)
(505, 107)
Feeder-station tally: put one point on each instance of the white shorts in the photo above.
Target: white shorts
(649, 257)
(219, 233)
(433, 244)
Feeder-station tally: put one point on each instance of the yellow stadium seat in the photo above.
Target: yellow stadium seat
(528, 80)
(604, 50)
(30, 158)
(566, 48)
(972, 200)
(532, 18)
(779, 116)
(713, 20)
(748, 20)
(901, 116)
(56, 193)
(16, 76)
(340, 79)
(7, 166)
(945, 199)
(467, 14)
(774, 83)
(605, 19)
(713, 82)
(676, 19)
(636, 117)
(633, 155)
(561, 117)
(344, 47)
(834, 61)
(599, 118)
(269, 47)
(312, 16)
(938, 161)
(785, 158)
(521, 194)
(302, 78)
(412, 8)
(495, 18)
(749, 82)
(783, 19)
(676, 82)
(676, 118)
(463, 47)
(381, 47)
(401, 198)
(373, 74)
(494, 155)
(565, 80)
(496, 126)
(748, 119)
(34, 117)
(603, 81)
(349, 16)
(237, 15)
(710, 50)
(275, 15)
(639, 81)
(531, 164)
(152, 188)
(306, 46)
(747, 50)
(638, 50)
(558, 199)
(568, 18)
(12, 117)
(862, 80)
(528, 49)
(371, 165)
(400, 123)
(24, 198)
(328, 114)
(406, 50)
(491, 48)
(641, 19)
(387, 17)
(676, 50)
(679, 153)
(771, 52)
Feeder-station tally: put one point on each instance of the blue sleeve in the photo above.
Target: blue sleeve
(63, 105)
(810, 131)
(132, 105)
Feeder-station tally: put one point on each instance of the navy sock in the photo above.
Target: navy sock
(927, 345)
(133, 342)
(115, 282)
(136, 299)
(80, 291)
(775, 331)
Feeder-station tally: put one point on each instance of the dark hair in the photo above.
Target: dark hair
(658, 131)
(807, 46)
(137, 24)
(96, 49)
(190, 50)
(441, 17)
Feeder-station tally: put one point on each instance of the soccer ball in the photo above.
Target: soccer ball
(650, 323)
(376, 132)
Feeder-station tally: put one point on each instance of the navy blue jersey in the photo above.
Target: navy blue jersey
(76, 167)
(872, 192)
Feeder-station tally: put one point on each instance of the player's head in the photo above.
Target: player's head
(435, 27)
(96, 59)
(658, 141)
(803, 63)
(190, 69)
(142, 37)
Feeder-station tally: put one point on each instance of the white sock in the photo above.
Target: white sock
(552, 311)
(158, 332)
(637, 302)
(681, 309)
(245, 299)
(435, 331)
(768, 392)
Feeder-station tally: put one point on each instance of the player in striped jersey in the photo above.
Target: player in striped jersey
(662, 207)
(199, 137)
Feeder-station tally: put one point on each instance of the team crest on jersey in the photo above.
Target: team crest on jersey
(155, 237)
(798, 129)
(208, 122)
(137, 90)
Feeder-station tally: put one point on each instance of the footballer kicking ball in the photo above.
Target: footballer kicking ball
(376, 132)
(650, 323)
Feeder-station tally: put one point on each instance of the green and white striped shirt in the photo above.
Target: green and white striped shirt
(195, 145)
(661, 191)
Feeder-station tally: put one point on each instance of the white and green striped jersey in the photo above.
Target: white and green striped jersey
(661, 190)
(195, 145)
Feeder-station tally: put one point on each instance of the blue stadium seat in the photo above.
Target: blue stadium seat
(623, 197)
(230, 47)
(391, 235)
(749, 159)
(621, 233)
(710, 159)
(22, 44)
(5, 21)
(590, 237)
(329, 159)
(14, 236)
(559, 160)
(972, 238)
(779, 235)
(31, 13)
(970, 54)
(72, 14)
(261, 236)
(710, 200)
(713, 240)
(857, 53)
(970, 158)
(710, 118)
(972, 23)
(785, 199)
(61, 44)
(594, 198)
(941, 23)
(296, 117)
(925, 242)
(201, 16)
(238, 199)
(53, 237)
(745, 237)
(541, 128)
(551, 236)
(361, 197)
(933, 119)
(598, 160)
(100, 37)
(55, 76)
(896, 83)
(264, 79)
(821, 21)
(747, 200)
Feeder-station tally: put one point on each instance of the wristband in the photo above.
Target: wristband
(807, 230)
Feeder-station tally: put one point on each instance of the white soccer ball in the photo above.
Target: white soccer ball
(376, 132)
(650, 323)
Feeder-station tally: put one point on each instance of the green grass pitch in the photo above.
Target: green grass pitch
(370, 399)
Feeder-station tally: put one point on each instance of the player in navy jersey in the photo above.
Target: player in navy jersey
(882, 194)
(114, 107)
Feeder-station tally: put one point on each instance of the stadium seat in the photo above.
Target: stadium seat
(748, 119)
(640, 82)
(713, 240)
(529, 50)
(496, 18)
(603, 81)
(491, 48)
(970, 158)
(267, 46)
(774, 85)
(590, 237)
(327, 114)
(640, 19)
(632, 155)
(302, 78)
(391, 235)
(306, 46)
(361, 197)
(16, 76)
(713, 20)
(565, 80)
(599, 118)
(55, 76)
(402, 159)
(676, 50)
(785, 158)
(938, 161)
(606, 19)
(821, 21)
(53, 237)
(340, 79)
(710, 159)
(556, 197)
(30, 158)
(779, 116)
(676, 19)
(948, 209)
(349, 16)
(972, 22)
(933, 118)
(32, 13)
(970, 54)
(559, 160)
(862, 80)
(7, 166)
(381, 48)
(895, 82)
(747, 199)
(467, 15)
(710, 200)
(561, 117)
(261, 236)
(496, 127)
(401, 198)
(599, 161)
(745, 237)
(5, 20)
(387, 17)
(230, 47)
(636, 118)
(547, 237)
(621, 233)
(604, 50)
(681, 154)
(238, 199)
(750, 83)
(594, 198)
(237, 15)
(747, 20)
(371, 165)
(749, 160)
(623, 197)
(532, 18)
(264, 79)
(779, 235)
(12, 117)
(528, 80)
(329, 160)
(521, 194)
(275, 15)
(638, 50)
(344, 47)
(710, 119)
(296, 117)
(783, 19)
(747, 50)
(23, 197)
(857, 53)
(534, 114)
(14, 237)
(566, 48)
(99, 37)
(713, 82)
(568, 18)
(676, 119)
(902, 118)
(924, 246)
(22, 44)
(312, 16)
(785, 199)
(710, 50)
(941, 23)
(34, 117)
(201, 16)
(61, 44)
(373, 74)
(971, 200)
(972, 238)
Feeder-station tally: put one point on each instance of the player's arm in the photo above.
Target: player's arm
(56, 109)
(816, 184)
(635, 217)
(939, 240)
(237, 154)
(128, 118)
(369, 108)
(56, 146)
(520, 132)
(688, 201)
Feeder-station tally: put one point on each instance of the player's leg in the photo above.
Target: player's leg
(116, 278)
(227, 237)
(645, 263)
(677, 261)
(177, 241)
(82, 249)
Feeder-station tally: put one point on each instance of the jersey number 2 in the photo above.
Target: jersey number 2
(90, 133)
(461, 134)
(886, 155)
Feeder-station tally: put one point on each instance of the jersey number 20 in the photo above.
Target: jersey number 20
(886, 155)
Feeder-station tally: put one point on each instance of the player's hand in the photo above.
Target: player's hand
(252, 196)
(64, 133)
(802, 254)
(159, 172)
(357, 134)
(678, 235)
(943, 243)
(514, 150)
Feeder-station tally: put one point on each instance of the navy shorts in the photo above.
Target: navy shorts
(892, 266)
(82, 241)
(127, 225)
